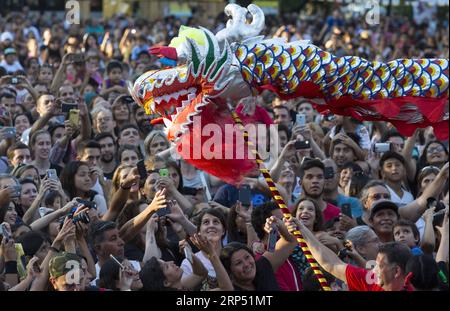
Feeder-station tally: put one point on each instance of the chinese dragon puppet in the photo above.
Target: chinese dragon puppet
(208, 71)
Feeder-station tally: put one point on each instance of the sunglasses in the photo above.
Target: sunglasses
(435, 149)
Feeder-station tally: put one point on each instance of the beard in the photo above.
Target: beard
(145, 126)
(313, 195)
(105, 159)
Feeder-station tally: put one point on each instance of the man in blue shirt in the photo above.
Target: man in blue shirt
(331, 193)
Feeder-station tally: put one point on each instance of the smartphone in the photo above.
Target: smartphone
(273, 238)
(346, 210)
(188, 253)
(300, 119)
(142, 169)
(328, 172)
(438, 218)
(76, 57)
(163, 212)
(66, 107)
(9, 132)
(51, 174)
(245, 195)
(14, 80)
(117, 261)
(302, 144)
(382, 147)
(4, 232)
(88, 204)
(164, 172)
(36, 267)
(74, 117)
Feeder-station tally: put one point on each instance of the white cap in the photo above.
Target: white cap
(6, 36)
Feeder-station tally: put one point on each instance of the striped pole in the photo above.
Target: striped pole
(280, 202)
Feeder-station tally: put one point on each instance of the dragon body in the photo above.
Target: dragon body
(211, 72)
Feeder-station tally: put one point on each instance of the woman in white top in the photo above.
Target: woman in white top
(212, 225)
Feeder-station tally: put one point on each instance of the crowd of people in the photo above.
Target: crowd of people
(77, 213)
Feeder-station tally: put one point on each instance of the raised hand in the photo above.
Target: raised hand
(159, 201)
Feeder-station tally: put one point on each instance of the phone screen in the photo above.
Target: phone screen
(300, 119)
(346, 210)
(66, 107)
(302, 144)
(142, 169)
(273, 237)
(164, 172)
(245, 195)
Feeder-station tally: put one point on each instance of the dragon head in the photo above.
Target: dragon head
(178, 94)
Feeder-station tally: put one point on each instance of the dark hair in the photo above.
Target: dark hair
(284, 128)
(101, 136)
(67, 177)
(308, 164)
(109, 274)
(6, 95)
(391, 133)
(228, 251)
(259, 216)
(216, 213)
(88, 144)
(14, 147)
(410, 224)
(391, 155)
(128, 147)
(28, 181)
(32, 241)
(127, 126)
(318, 221)
(113, 64)
(397, 253)
(97, 231)
(26, 114)
(424, 270)
(152, 276)
(50, 197)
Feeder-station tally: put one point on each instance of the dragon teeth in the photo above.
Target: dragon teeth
(167, 122)
(179, 109)
(184, 103)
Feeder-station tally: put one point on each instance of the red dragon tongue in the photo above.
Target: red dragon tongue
(210, 150)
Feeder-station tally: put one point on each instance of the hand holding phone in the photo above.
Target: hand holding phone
(142, 170)
(273, 238)
(52, 175)
(74, 117)
(302, 144)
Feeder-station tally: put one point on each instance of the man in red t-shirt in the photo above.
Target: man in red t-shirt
(312, 182)
(388, 274)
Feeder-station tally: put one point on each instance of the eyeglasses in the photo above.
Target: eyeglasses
(379, 196)
(435, 149)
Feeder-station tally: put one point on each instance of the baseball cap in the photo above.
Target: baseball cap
(63, 263)
(381, 205)
(9, 51)
(6, 36)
